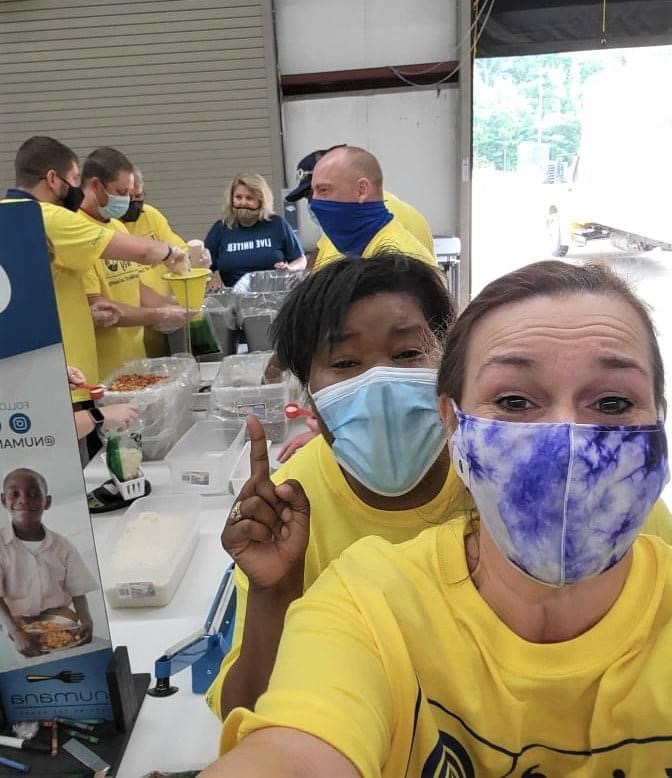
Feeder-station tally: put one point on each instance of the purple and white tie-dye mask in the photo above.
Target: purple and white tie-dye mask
(563, 502)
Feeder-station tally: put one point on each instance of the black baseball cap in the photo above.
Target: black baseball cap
(304, 173)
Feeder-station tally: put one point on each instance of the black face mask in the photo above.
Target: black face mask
(73, 197)
(134, 211)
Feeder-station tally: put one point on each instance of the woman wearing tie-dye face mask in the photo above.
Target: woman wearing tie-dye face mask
(535, 638)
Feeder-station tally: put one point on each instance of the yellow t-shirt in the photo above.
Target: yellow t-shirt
(394, 659)
(659, 522)
(153, 224)
(75, 245)
(119, 282)
(411, 219)
(338, 518)
(392, 237)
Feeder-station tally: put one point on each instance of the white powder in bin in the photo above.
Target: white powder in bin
(149, 541)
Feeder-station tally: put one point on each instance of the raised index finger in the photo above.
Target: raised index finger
(259, 465)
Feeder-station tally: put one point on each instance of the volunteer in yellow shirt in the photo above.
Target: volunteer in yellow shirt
(108, 174)
(535, 641)
(391, 237)
(48, 171)
(409, 218)
(146, 221)
(347, 185)
(391, 313)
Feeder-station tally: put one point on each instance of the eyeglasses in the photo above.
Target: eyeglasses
(64, 180)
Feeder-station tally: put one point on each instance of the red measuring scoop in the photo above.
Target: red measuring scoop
(294, 411)
(95, 390)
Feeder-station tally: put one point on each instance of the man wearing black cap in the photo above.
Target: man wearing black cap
(410, 218)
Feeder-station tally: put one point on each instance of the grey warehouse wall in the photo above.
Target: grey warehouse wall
(186, 88)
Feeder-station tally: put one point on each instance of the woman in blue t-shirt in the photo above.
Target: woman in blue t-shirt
(249, 236)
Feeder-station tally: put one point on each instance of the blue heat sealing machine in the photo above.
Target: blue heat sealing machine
(204, 650)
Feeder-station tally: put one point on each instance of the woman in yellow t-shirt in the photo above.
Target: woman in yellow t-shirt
(377, 324)
(535, 641)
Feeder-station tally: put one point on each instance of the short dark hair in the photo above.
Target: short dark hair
(541, 279)
(314, 311)
(105, 163)
(41, 480)
(37, 156)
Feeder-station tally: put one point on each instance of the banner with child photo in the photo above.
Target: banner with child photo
(54, 636)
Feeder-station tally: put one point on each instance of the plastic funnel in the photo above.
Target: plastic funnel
(189, 289)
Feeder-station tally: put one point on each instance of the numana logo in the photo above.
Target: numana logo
(5, 290)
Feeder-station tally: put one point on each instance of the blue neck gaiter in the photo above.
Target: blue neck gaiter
(350, 226)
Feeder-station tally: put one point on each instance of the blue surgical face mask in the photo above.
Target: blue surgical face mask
(386, 427)
(563, 502)
(116, 207)
(350, 226)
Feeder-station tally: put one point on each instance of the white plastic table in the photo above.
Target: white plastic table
(179, 732)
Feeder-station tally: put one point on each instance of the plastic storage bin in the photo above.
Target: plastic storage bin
(259, 296)
(200, 399)
(202, 459)
(145, 562)
(269, 281)
(238, 392)
(165, 408)
(256, 312)
(240, 472)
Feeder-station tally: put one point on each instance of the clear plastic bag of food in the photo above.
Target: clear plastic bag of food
(123, 452)
(160, 390)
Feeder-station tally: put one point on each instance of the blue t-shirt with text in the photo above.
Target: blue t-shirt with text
(238, 250)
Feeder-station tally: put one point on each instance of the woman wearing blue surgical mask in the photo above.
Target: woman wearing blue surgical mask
(365, 339)
(535, 641)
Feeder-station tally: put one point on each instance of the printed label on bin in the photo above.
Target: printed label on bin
(257, 409)
(136, 590)
(196, 477)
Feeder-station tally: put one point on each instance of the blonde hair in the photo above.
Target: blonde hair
(260, 189)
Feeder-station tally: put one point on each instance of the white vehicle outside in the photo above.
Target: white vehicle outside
(619, 185)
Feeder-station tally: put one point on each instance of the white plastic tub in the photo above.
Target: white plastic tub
(200, 400)
(238, 391)
(240, 473)
(202, 460)
(145, 561)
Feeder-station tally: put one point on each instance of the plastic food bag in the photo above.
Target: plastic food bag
(220, 314)
(123, 453)
(164, 408)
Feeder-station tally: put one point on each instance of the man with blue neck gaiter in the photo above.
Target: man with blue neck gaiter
(348, 202)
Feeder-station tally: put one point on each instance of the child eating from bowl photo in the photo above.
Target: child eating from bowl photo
(41, 572)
